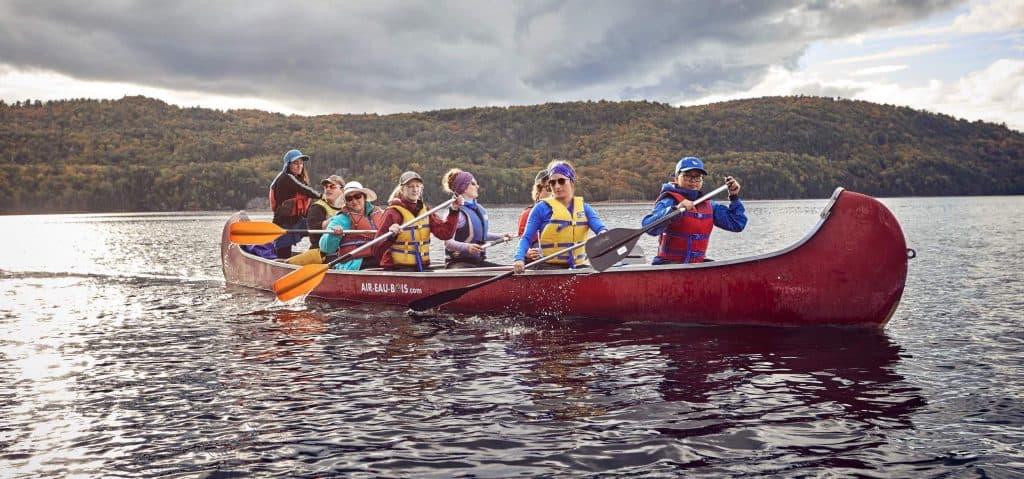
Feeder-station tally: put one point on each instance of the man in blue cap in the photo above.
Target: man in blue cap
(685, 238)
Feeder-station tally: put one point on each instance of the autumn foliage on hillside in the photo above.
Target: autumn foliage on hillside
(140, 154)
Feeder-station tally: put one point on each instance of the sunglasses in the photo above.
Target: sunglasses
(357, 196)
(558, 181)
(331, 186)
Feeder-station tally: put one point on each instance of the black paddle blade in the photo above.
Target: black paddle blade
(438, 299)
(605, 250)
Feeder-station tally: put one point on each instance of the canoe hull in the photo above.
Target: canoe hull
(849, 271)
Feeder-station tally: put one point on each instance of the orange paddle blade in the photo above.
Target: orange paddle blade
(299, 282)
(254, 232)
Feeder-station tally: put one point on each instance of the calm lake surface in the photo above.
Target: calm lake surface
(124, 354)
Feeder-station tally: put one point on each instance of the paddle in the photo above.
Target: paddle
(497, 242)
(300, 282)
(605, 250)
(259, 232)
(449, 295)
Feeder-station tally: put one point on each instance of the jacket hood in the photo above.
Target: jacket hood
(688, 194)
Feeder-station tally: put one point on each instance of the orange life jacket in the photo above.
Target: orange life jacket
(350, 242)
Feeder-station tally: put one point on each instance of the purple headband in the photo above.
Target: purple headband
(564, 170)
(461, 182)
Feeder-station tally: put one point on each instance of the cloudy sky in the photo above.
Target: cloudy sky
(964, 59)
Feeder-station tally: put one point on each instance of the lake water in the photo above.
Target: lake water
(124, 354)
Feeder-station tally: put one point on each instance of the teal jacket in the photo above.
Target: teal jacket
(329, 243)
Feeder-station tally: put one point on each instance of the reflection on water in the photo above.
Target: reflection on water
(124, 354)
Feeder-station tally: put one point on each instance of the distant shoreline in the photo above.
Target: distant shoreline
(265, 211)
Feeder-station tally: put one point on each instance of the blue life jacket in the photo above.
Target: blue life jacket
(474, 231)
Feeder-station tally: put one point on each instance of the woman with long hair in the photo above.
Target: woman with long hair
(290, 197)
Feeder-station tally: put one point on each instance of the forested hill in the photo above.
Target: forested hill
(140, 154)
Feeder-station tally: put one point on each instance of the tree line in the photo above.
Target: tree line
(141, 154)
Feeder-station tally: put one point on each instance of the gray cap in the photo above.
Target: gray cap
(409, 176)
(541, 175)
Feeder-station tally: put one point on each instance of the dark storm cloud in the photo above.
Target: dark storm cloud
(405, 56)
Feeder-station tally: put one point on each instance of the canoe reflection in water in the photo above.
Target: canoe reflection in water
(726, 376)
(387, 387)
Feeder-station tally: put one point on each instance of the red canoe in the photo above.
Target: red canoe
(848, 271)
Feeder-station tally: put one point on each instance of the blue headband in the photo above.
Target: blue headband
(564, 170)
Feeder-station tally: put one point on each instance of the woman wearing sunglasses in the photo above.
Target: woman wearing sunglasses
(317, 216)
(562, 220)
(685, 238)
(358, 213)
(465, 249)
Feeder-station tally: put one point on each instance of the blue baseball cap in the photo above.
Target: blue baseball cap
(293, 155)
(690, 163)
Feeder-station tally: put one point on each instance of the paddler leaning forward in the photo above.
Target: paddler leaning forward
(562, 219)
(409, 249)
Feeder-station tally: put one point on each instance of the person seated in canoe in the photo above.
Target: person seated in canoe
(685, 238)
(540, 191)
(465, 249)
(562, 220)
(290, 197)
(409, 248)
(317, 216)
(358, 213)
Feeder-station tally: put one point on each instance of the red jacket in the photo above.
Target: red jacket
(441, 229)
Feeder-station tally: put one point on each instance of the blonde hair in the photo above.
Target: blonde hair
(446, 180)
(396, 193)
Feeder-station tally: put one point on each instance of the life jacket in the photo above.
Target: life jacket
(685, 239)
(290, 209)
(523, 219)
(350, 242)
(331, 211)
(474, 231)
(411, 246)
(565, 229)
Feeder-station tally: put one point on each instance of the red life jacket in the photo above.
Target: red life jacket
(350, 242)
(685, 239)
(298, 205)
